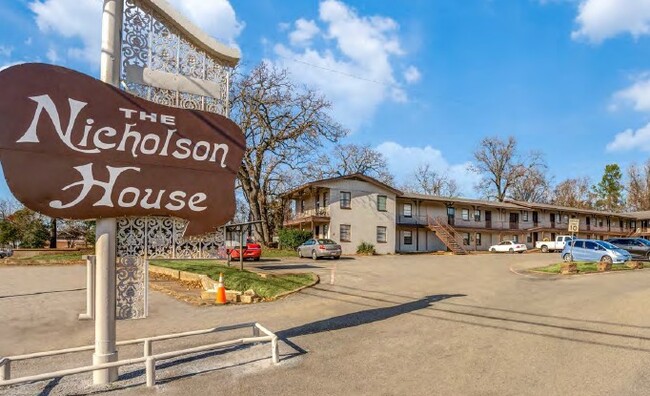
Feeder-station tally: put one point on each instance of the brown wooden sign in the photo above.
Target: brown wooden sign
(74, 147)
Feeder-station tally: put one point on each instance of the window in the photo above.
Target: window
(478, 239)
(346, 197)
(381, 234)
(302, 206)
(381, 203)
(466, 238)
(408, 237)
(600, 222)
(326, 230)
(325, 199)
(579, 245)
(529, 238)
(408, 210)
(465, 214)
(620, 224)
(345, 232)
(477, 215)
(524, 216)
(590, 245)
(566, 218)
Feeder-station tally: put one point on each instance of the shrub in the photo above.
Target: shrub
(366, 248)
(291, 238)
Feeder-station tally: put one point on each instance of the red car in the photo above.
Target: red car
(252, 251)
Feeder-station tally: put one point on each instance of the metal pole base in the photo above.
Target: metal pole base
(104, 376)
(85, 317)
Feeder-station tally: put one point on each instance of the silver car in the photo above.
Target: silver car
(316, 248)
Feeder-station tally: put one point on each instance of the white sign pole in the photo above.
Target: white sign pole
(105, 248)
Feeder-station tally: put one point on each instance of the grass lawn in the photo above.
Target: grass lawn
(240, 280)
(278, 253)
(582, 267)
(60, 256)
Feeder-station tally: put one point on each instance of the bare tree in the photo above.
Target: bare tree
(284, 126)
(427, 181)
(638, 187)
(533, 186)
(502, 166)
(348, 159)
(575, 193)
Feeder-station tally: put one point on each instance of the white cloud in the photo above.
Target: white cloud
(304, 32)
(353, 68)
(6, 51)
(52, 56)
(412, 75)
(403, 161)
(599, 20)
(81, 20)
(637, 95)
(631, 140)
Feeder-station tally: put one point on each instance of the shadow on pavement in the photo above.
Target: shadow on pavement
(43, 292)
(484, 319)
(359, 318)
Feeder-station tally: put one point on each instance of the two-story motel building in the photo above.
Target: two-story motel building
(357, 208)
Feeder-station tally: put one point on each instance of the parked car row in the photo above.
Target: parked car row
(613, 250)
(593, 250)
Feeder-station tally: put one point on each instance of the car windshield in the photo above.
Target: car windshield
(607, 245)
(326, 242)
(644, 242)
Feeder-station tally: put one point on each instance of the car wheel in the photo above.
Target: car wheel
(544, 249)
(256, 259)
(648, 256)
(314, 255)
(567, 257)
(520, 252)
(511, 250)
(337, 257)
(493, 250)
(299, 253)
(606, 259)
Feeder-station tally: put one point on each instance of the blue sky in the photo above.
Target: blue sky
(569, 78)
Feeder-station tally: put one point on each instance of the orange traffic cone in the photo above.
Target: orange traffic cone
(221, 291)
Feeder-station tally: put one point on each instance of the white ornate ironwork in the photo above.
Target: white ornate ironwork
(150, 42)
(167, 61)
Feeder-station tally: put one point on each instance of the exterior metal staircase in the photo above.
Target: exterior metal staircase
(447, 234)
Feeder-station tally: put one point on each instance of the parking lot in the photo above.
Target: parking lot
(421, 324)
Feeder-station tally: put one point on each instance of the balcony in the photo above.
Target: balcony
(320, 215)
(412, 220)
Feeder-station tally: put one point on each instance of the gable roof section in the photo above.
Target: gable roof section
(356, 176)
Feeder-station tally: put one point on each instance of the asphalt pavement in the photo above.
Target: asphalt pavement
(387, 325)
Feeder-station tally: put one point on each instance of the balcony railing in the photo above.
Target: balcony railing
(320, 212)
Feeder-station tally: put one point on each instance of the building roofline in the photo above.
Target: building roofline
(533, 205)
(354, 176)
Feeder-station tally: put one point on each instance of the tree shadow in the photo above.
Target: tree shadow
(358, 318)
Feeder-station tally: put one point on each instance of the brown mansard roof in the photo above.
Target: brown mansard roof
(508, 204)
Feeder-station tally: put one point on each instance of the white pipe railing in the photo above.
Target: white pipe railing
(90, 289)
(148, 357)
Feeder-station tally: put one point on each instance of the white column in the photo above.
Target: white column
(105, 350)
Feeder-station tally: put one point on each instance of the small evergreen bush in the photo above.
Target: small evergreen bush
(366, 248)
(291, 238)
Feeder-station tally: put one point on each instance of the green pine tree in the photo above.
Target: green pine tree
(609, 191)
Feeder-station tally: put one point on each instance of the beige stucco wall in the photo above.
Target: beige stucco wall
(363, 216)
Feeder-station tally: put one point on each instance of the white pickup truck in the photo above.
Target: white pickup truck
(551, 246)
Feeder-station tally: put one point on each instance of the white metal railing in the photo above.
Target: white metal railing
(148, 358)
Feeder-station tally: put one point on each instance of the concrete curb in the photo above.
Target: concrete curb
(316, 280)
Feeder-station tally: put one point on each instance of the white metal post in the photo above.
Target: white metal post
(105, 350)
(5, 372)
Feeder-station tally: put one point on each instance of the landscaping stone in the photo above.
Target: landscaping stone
(189, 276)
(634, 264)
(568, 268)
(233, 296)
(603, 266)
